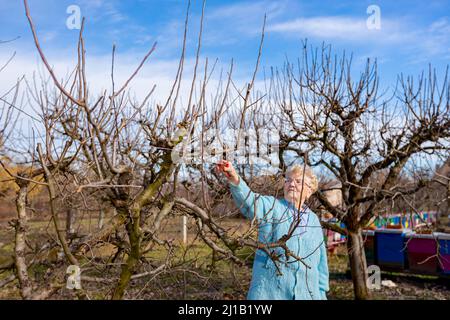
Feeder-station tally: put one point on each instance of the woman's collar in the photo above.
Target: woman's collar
(303, 209)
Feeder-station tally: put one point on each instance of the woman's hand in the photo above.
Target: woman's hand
(227, 169)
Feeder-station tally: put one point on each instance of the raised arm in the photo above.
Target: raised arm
(250, 203)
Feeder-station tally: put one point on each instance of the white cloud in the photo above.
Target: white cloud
(345, 28)
(230, 23)
(437, 40)
(101, 9)
(420, 43)
(329, 27)
(98, 69)
(248, 10)
(156, 71)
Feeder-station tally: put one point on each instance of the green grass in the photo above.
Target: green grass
(206, 278)
(415, 275)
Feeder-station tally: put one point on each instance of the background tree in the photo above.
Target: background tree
(335, 118)
(119, 153)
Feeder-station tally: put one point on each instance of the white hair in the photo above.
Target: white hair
(309, 174)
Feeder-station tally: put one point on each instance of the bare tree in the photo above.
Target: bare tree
(107, 151)
(125, 149)
(362, 140)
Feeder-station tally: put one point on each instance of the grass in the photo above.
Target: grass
(196, 275)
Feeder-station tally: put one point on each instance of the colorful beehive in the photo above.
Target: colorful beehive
(342, 237)
(444, 251)
(369, 246)
(396, 220)
(405, 222)
(422, 251)
(416, 220)
(390, 248)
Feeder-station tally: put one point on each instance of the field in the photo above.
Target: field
(193, 273)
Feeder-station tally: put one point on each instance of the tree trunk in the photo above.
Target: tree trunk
(19, 250)
(51, 187)
(358, 264)
(129, 267)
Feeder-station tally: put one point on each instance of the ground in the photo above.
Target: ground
(416, 287)
(194, 276)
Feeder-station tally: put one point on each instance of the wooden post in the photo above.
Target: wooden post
(101, 217)
(184, 229)
(70, 222)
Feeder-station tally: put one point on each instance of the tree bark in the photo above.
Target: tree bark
(358, 264)
(20, 245)
(135, 237)
(51, 187)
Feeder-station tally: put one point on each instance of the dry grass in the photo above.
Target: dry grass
(194, 273)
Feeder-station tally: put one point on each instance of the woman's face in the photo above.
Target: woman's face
(293, 185)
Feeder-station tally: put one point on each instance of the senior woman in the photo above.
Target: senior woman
(274, 217)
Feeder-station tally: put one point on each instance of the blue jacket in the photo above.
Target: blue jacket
(273, 218)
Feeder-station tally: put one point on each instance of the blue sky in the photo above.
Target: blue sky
(412, 33)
